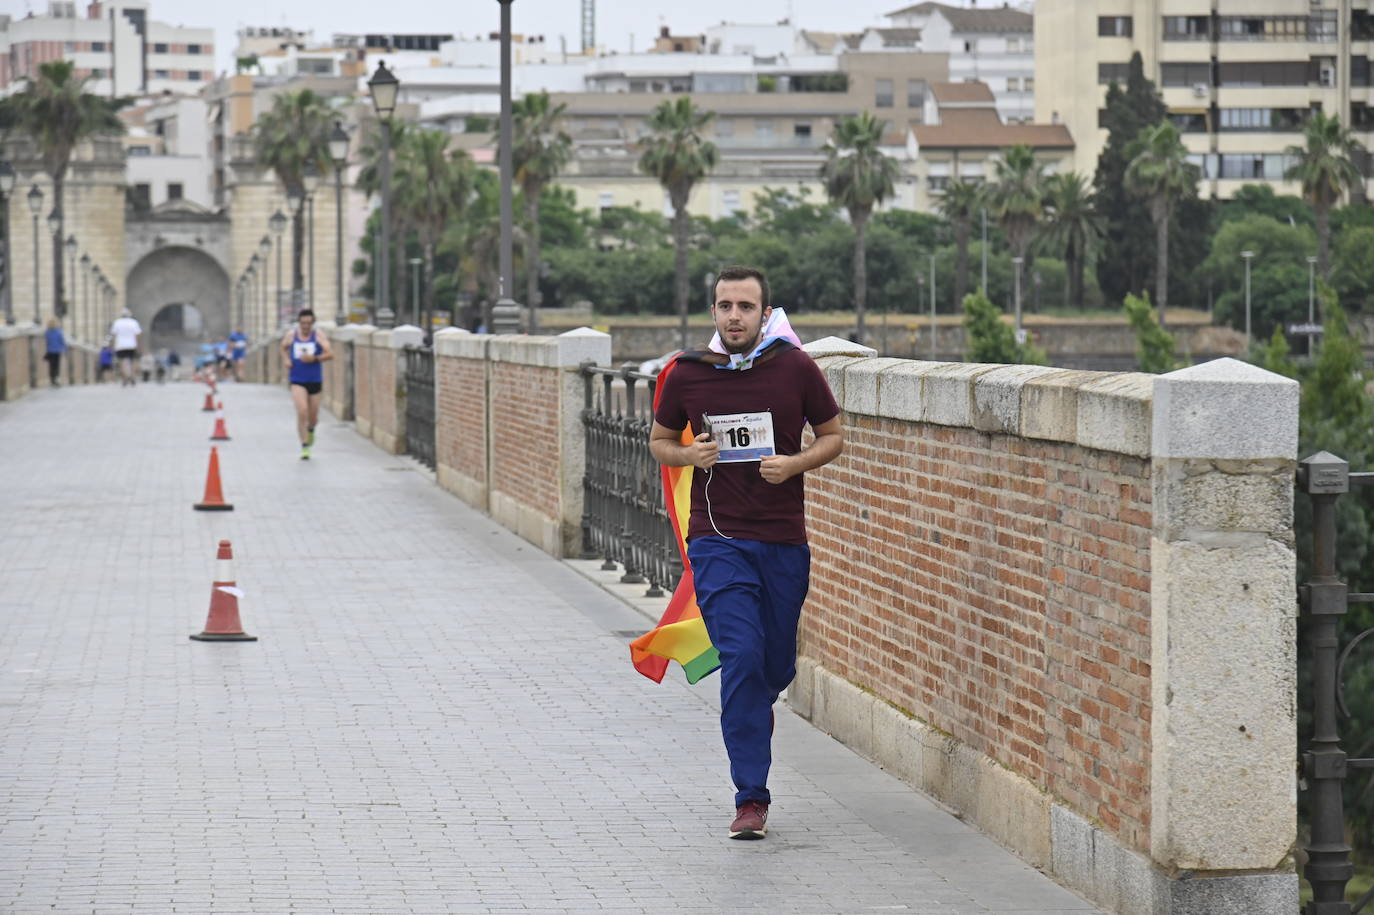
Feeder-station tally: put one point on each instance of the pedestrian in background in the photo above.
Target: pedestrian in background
(56, 346)
(106, 361)
(238, 351)
(147, 363)
(304, 350)
(126, 331)
(174, 365)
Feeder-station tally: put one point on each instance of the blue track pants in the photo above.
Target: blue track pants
(751, 595)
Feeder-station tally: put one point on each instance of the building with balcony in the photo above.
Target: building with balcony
(118, 45)
(1240, 77)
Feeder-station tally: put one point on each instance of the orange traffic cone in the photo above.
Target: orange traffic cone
(222, 623)
(214, 495)
(209, 403)
(220, 434)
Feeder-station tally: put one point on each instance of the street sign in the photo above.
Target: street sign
(1021, 335)
(1301, 329)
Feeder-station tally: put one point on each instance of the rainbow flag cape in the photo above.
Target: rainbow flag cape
(681, 634)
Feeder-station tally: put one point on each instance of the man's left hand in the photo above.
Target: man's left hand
(777, 467)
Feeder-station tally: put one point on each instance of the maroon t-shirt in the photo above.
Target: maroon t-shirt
(790, 386)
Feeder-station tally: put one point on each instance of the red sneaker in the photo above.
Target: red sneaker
(751, 819)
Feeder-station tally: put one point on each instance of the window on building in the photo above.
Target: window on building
(141, 197)
(802, 129)
(937, 182)
(882, 93)
(1319, 26)
(638, 85)
(1359, 71)
(320, 66)
(1267, 73)
(159, 48)
(1264, 166)
(1118, 26)
(1028, 83)
(915, 93)
(97, 46)
(1013, 84)
(729, 200)
(1013, 46)
(1281, 119)
(174, 190)
(725, 127)
(193, 75)
(161, 74)
(763, 127)
(193, 49)
(1189, 74)
(1112, 73)
(1189, 121)
(605, 200)
(137, 151)
(99, 73)
(1187, 28)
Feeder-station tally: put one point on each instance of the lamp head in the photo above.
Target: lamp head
(277, 222)
(310, 178)
(71, 245)
(338, 145)
(35, 200)
(7, 178)
(295, 196)
(384, 86)
(85, 262)
(55, 221)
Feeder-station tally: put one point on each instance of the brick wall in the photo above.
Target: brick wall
(460, 434)
(526, 433)
(998, 589)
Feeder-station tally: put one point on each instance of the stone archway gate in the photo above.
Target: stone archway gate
(179, 252)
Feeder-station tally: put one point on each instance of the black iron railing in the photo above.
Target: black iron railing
(419, 387)
(1324, 765)
(623, 518)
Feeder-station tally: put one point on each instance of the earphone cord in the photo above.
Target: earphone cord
(706, 491)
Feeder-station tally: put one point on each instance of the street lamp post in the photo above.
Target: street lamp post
(506, 306)
(59, 302)
(35, 206)
(338, 153)
(932, 308)
(985, 257)
(1247, 255)
(7, 181)
(415, 263)
(86, 268)
(70, 246)
(384, 87)
(311, 179)
(264, 253)
(277, 223)
(1311, 299)
(1018, 261)
(295, 202)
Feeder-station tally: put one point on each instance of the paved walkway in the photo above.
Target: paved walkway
(437, 718)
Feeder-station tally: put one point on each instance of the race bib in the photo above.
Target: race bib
(742, 436)
(300, 348)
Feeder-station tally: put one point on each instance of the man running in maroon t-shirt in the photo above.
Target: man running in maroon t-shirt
(747, 403)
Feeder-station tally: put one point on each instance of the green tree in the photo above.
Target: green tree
(434, 185)
(1325, 165)
(290, 138)
(540, 150)
(959, 204)
(1016, 198)
(991, 339)
(59, 114)
(678, 156)
(1160, 173)
(858, 176)
(1260, 199)
(1352, 269)
(1278, 277)
(1126, 251)
(1072, 226)
(1154, 345)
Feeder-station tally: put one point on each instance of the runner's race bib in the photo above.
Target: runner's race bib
(302, 348)
(742, 436)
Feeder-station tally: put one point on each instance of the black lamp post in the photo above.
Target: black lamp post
(86, 268)
(506, 307)
(264, 255)
(310, 178)
(277, 223)
(338, 153)
(384, 87)
(295, 202)
(35, 207)
(7, 181)
(59, 304)
(70, 246)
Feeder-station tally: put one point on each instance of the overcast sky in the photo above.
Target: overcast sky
(616, 20)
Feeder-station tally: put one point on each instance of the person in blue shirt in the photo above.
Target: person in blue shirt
(304, 350)
(238, 351)
(56, 346)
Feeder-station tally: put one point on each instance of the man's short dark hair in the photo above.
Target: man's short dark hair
(738, 272)
(305, 313)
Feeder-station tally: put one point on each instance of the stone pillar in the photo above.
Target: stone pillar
(575, 347)
(1223, 656)
(401, 337)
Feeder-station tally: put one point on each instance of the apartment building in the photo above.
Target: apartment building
(118, 45)
(1240, 77)
(167, 143)
(992, 45)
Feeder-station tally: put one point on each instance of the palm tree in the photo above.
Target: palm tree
(57, 111)
(1159, 171)
(858, 176)
(1072, 225)
(959, 203)
(370, 183)
(289, 138)
(1016, 200)
(676, 154)
(434, 185)
(1326, 167)
(539, 151)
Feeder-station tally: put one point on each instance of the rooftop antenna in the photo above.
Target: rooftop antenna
(588, 26)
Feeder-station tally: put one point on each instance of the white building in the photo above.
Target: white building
(118, 45)
(168, 143)
(991, 45)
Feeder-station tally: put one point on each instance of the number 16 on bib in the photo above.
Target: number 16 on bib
(742, 436)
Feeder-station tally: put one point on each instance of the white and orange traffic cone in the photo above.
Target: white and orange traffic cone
(222, 623)
(214, 491)
(220, 434)
(209, 405)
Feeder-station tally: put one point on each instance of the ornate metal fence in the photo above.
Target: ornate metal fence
(623, 518)
(1324, 765)
(419, 382)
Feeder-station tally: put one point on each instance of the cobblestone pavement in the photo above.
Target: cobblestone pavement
(437, 717)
